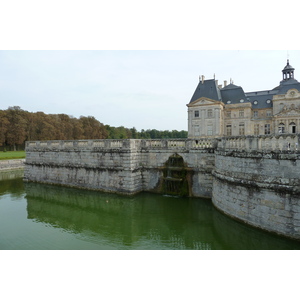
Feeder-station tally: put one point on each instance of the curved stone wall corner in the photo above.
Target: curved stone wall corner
(260, 189)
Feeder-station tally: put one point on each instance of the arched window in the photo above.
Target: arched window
(292, 127)
(281, 128)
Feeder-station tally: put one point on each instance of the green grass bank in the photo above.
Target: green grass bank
(12, 155)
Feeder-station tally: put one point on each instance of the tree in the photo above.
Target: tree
(16, 134)
(92, 128)
(4, 125)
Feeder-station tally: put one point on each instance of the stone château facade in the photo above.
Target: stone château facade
(216, 111)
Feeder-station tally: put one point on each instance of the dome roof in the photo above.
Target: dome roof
(288, 66)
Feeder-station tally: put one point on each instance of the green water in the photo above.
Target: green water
(36, 216)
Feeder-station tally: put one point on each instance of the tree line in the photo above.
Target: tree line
(18, 126)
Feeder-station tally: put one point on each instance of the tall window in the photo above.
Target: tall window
(197, 130)
(255, 114)
(209, 130)
(292, 127)
(241, 113)
(228, 114)
(196, 113)
(228, 130)
(256, 129)
(267, 129)
(209, 113)
(241, 129)
(269, 113)
(281, 128)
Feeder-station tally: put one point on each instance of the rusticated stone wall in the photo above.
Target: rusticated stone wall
(260, 188)
(122, 166)
(101, 165)
(10, 164)
(255, 179)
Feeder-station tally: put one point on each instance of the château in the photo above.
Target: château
(216, 111)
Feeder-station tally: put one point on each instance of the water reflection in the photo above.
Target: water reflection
(144, 221)
(9, 185)
(11, 174)
(126, 220)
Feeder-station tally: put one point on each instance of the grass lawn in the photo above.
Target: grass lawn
(12, 155)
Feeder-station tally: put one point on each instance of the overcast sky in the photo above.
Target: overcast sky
(147, 87)
(142, 89)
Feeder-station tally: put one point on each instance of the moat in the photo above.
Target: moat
(37, 216)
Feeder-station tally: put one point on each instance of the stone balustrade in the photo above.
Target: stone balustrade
(288, 142)
(130, 144)
(283, 142)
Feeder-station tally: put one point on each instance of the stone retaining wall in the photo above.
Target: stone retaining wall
(122, 166)
(254, 179)
(259, 188)
(12, 164)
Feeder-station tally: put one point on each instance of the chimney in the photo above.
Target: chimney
(202, 78)
(225, 83)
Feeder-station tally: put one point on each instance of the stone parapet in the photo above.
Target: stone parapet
(274, 142)
(127, 144)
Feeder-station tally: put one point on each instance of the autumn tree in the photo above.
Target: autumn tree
(92, 128)
(16, 133)
(17, 126)
(4, 125)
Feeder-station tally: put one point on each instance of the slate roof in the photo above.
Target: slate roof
(208, 89)
(262, 96)
(233, 93)
(286, 85)
(260, 99)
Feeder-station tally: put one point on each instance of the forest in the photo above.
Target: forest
(18, 126)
